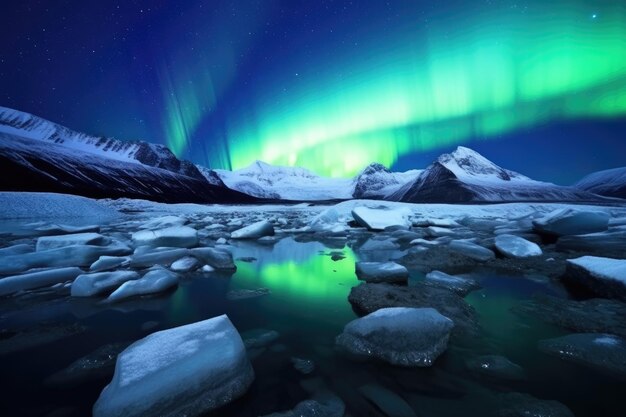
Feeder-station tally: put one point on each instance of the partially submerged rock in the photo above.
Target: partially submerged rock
(188, 370)
(524, 405)
(569, 221)
(472, 250)
(381, 272)
(388, 401)
(461, 286)
(254, 231)
(400, 336)
(513, 246)
(10, 285)
(185, 264)
(496, 366)
(609, 242)
(153, 282)
(88, 285)
(367, 298)
(604, 277)
(603, 352)
(176, 236)
(244, 294)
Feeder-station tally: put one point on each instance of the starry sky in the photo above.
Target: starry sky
(538, 87)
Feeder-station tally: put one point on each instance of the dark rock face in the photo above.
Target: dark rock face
(367, 298)
(464, 176)
(583, 277)
(49, 169)
(365, 185)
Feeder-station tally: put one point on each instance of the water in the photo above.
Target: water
(308, 306)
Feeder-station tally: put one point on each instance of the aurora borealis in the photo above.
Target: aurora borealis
(334, 86)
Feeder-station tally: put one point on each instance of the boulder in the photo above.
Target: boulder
(472, 250)
(381, 272)
(461, 286)
(188, 370)
(603, 352)
(570, 221)
(516, 247)
(604, 277)
(399, 335)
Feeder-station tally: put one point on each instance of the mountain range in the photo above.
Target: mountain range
(39, 155)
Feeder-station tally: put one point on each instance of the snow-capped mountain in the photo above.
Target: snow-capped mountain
(140, 152)
(610, 182)
(377, 182)
(466, 176)
(286, 183)
(39, 155)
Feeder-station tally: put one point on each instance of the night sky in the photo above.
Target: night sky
(536, 86)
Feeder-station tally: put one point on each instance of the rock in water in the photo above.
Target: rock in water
(381, 272)
(495, 366)
(569, 221)
(524, 405)
(459, 285)
(380, 218)
(155, 281)
(187, 370)
(513, 246)
(398, 335)
(176, 236)
(367, 298)
(39, 279)
(388, 401)
(604, 352)
(472, 250)
(87, 285)
(254, 231)
(605, 277)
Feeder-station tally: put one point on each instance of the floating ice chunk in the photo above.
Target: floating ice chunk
(77, 255)
(569, 221)
(217, 258)
(16, 249)
(381, 272)
(53, 242)
(605, 277)
(435, 231)
(207, 268)
(158, 257)
(254, 231)
(185, 264)
(472, 250)
(163, 222)
(38, 279)
(380, 218)
(187, 370)
(155, 281)
(398, 335)
(459, 285)
(87, 285)
(108, 262)
(61, 229)
(513, 246)
(176, 236)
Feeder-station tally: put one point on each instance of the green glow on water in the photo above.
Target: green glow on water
(474, 76)
(318, 284)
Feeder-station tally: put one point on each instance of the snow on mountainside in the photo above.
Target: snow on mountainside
(376, 181)
(287, 183)
(610, 182)
(33, 127)
(466, 176)
(38, 155)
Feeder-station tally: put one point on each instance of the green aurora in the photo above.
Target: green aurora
(421, 88)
